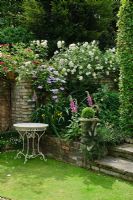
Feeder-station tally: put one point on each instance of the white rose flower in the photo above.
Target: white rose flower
(71, 64)
(72, 46)
(89, 66)
(85, 44)
(88, 73)
(93, 42)
(96, 57)
(33, 42)
(107, 73)
(61, 61)
(37, 42)
(27, 63)
(75, 66)
(80, 72)
(44, 43)
(94, 75)
(113, 49)
(73, 71)
(91, 53)
(80, 78)
(59, 44)
(68, 70)
(56, 52)
(82, 50)
(64, 70)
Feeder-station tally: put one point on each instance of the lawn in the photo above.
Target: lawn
(54, 180)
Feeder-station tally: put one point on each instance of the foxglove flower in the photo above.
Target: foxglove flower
(73, 105)
(89, 99)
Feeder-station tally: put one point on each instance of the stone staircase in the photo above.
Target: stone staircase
(118, 163)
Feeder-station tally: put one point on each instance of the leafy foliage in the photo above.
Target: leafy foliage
(108, 102)
(33, 14)
(88, 112)
(10, 13)
(125, 52)
(10, 140)
(13, 35)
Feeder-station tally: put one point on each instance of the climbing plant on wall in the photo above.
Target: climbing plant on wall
(125, 52)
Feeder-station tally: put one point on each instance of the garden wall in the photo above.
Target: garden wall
(22, 104)
(65, 151)
(16, 103)
(5, 105)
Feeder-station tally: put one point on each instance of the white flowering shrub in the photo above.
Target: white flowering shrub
(86, 60)
(40, 47)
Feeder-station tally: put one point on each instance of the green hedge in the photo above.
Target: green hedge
(125, 52)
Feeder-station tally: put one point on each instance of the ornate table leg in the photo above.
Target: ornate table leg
(20, 153)
(27, 149)
(38, 147)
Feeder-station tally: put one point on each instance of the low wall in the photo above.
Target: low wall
(64, 151)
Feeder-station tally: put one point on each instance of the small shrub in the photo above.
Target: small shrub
(10, 139)
(88, 112)
(14, 35)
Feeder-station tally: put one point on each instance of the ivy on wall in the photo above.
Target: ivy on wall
(125, 53)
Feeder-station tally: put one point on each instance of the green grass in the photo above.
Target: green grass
(53, 180)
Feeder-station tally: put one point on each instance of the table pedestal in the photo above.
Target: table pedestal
(30, 132)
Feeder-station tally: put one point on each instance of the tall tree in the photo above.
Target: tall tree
(9, 12)
(69, 20)
(125, 52)
(33, 16)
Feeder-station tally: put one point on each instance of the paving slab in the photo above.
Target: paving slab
(124, 151)
(125, 148)
(117, 167)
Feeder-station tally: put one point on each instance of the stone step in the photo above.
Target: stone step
(129, 140)
(117, 167)
(124, 151)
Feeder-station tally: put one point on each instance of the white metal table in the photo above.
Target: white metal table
(33, 132)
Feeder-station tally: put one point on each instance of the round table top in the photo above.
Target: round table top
(30, 126)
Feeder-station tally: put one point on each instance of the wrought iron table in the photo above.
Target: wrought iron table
(33, 132)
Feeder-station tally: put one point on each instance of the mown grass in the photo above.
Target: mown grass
(54, 180)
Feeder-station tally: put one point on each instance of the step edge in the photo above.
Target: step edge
(112, 173)
(121, 171)
(120, 150)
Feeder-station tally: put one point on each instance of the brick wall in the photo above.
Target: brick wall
(65, 151)
(16, 103)
(22, 104)
(5, 105)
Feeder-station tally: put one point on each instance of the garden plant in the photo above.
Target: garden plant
(78, 63)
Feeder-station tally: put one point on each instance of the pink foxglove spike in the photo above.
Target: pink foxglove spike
(89, 99)
(73, 105)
